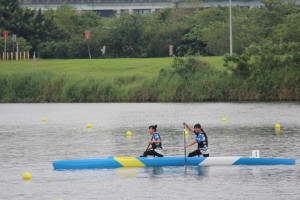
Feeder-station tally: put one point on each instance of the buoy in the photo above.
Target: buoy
(186, 133)
(44, 119)
(89, 125)
(128, 133)
(224, 119)
(26, 176)
(277, 126)
(250, 156)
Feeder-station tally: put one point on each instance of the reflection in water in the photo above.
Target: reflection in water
(156, 170)
(202, 171)
(127, 172)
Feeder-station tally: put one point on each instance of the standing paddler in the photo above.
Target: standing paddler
(155, 142)
(201, 139)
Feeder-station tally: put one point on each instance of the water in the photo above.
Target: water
(28, 144)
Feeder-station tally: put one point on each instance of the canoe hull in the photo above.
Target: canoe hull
(113, 162)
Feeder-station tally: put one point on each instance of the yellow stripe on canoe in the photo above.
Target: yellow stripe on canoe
(129, 162)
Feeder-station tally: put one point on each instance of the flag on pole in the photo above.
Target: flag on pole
(170, 50)
(5, 33)
(87, 35)
(34, 61)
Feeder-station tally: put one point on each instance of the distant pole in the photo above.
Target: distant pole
(34, 61)
(17, 57)
(14, 39)
(230, 28)
(103, 51)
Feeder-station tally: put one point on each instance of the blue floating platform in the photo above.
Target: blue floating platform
(114, 162)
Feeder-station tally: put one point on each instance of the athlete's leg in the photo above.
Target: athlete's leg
(149, 152)
(157, 154)
(194, 153)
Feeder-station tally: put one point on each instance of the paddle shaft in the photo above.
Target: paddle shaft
(184, 145)
(149, 144)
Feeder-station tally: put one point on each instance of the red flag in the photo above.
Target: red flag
(5, 34)
(170, 50)
(87, 35)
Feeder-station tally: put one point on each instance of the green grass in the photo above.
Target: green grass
(216, 61)
(139, 80)
(101, 67)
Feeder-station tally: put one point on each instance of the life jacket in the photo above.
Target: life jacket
(202, 143)
(156, 145)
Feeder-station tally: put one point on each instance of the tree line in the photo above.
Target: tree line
(60, 33)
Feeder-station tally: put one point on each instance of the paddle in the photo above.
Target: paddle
(184, 145)
(149, 144)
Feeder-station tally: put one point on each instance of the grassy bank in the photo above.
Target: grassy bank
(112, 68)
(133, 80)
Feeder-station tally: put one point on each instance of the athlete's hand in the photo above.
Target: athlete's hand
(151, 142)
(184, 124)
(186, 146)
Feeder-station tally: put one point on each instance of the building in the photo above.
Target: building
(109, 8)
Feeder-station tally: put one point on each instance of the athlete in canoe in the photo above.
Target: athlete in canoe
(155, 142)
(201, 139)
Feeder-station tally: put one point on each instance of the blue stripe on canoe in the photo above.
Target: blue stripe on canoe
(265, 161)
(86, 163)
(195, 160)
(162, 161)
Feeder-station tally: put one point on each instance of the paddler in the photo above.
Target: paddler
(201, 139)
(155, 142)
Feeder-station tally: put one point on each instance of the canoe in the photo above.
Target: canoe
(114, 162)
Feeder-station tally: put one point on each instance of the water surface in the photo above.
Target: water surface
(28, 144)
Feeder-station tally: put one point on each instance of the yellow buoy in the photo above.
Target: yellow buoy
(89, 125)
(277, 126)
(128, 133)
(186, 133)
(44, 119)
(26, 176)
(224, 119)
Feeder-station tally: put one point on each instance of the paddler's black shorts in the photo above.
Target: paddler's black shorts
(197, 153)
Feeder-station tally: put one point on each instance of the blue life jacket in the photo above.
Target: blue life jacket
(201, 139)
(155, 145)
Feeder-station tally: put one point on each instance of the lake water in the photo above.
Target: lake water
(30, 145)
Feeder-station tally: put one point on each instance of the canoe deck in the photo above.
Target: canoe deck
(114, 162)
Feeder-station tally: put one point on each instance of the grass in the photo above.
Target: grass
(148, 67)
(140, 80)
(216, 61)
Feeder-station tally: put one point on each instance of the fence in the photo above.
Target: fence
(10, 56)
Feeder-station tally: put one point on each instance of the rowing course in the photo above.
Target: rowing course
(114, 162)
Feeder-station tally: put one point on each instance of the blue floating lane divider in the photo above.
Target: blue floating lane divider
(113, 162)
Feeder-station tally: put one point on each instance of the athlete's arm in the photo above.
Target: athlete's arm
(190, 129)
(154, 141)
(186, 146)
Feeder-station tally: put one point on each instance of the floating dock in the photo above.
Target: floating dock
(114, 162)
